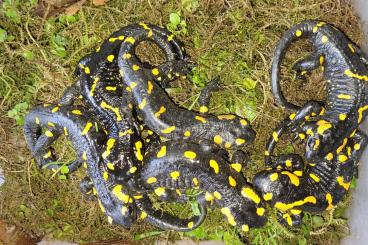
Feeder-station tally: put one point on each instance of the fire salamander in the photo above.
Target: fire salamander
(76, 124)
(182, 165)
(292, 187)
(165, 118)
(102, 89)
(345, 69)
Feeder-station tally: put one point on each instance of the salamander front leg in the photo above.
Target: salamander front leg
(71, 94)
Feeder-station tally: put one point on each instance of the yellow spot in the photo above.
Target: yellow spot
(321, 60)
(110, 166)
(37, 120)
(162, 152)
(344, 96)
(50, 124)
(109, 219)
(110, 58)
(298, 173)
(93, 87)
(138, 153)
(350, 45)
(260, 211)
(169, 38)
(315, 29)
(293, 178)
(315, 177)
(329, 200)
(274, 176)
(130, 40)
(190, 154)
(127, 56)
(329, 156)
(250, 194)
(342, 158)
(175, 175)
(342, 117)
(356, 147)
(217, 139)
(133, 169)
(124, 210)
(286, 206)
(266, 153)
(267, 196)
(208, 197)
(110, 88)
(65, 131)
(203, 109)
(98, 49)
(49, 133)
(324, 39)
(47, 155)
(227, 145)
(232, 181)
(201, 119)
(292, 116)
(142, 104)
(135, 67)
(186, 133)
(160, 191)
(217, 195)
(112, 39)
(245, 228)
(323, 126)
(117, 191)
(55, 109)
(243, 122)
(87, 70)
(113, 109)
(105, 176)
(109, 145)
(349, 73)
(160, 111)
(360, 112)
(190, 225)
(151, 180)
(288, 163)
(288, 219)
(76, 112)
(84, 156)
(239, 141)
(275, 136)
(340, 181)
(195, 181)
(316, 144)
(143, 215)
(101, 206)
(149, 87)
(226, 117)
(215, 166)
(155, 71)
(236, 166)
(87, 128)
(168, 130)
(298, 33)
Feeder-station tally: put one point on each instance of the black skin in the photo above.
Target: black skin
(165, 118)
(86, 141)
(293, 187)
(345, 70)
(185, 165)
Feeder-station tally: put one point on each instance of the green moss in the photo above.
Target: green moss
(234, 40)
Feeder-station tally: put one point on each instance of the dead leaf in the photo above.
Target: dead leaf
(74, 8)
(99, 2)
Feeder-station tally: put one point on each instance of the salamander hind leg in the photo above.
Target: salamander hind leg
(205, 95)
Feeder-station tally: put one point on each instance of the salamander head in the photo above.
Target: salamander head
(124, 215)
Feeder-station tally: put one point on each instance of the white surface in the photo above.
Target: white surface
(358, 212)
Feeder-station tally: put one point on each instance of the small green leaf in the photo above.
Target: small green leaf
(198, 233)
(302, 241)
(62, 177)
(64, 169)
(353, 183)
(3, 35)
(249, 83)
(190, 5)
(50, 212)
(23, 207)
(317, 221)
(28, 55)
(59, 51)
(13, 15)
(195, 208)
(175, 19)
(10, 38)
